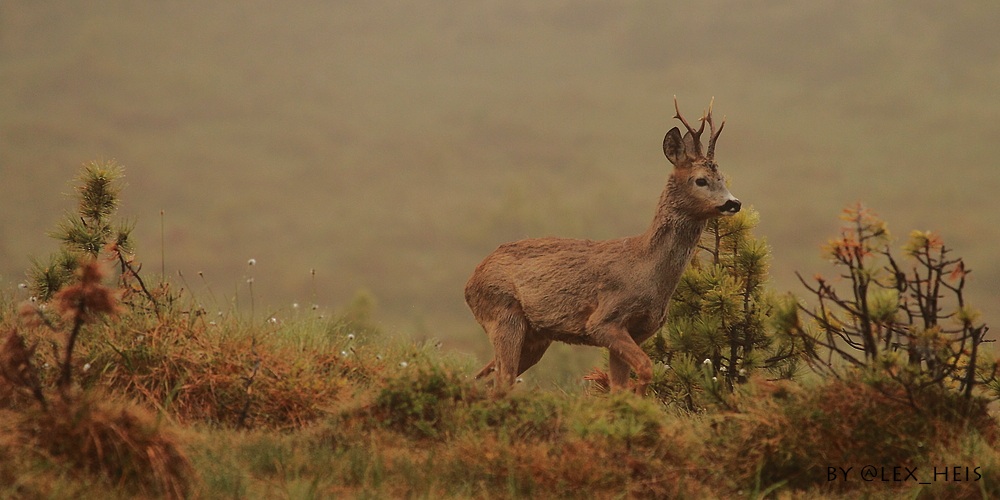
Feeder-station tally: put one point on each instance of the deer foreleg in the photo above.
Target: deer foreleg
(508, 339)
(619, 369)
(488, 369)
(625, 353)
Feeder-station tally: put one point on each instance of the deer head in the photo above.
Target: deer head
(699, 189)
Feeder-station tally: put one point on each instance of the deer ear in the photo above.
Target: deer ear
(673, 147)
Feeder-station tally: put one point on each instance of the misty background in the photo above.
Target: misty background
(391, 145)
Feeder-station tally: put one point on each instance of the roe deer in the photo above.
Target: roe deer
(611, 293)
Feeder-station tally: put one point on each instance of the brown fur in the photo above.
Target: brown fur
(610, 293)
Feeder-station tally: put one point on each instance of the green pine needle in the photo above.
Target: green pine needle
(99, 191)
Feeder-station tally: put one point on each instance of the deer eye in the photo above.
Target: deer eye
(701, 181)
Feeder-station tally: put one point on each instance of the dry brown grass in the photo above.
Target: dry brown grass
(89, 433)
(19, 381)
(116, 441)
(225, 379)
(784, 433)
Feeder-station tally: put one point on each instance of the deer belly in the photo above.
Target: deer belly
(568, 337)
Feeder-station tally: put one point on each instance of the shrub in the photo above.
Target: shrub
(902, 320)
(519, 416)
(422, 402)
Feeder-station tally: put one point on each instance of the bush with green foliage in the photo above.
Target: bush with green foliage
(421, 403)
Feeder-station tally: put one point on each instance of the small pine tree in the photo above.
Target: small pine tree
(718, 330)
(88, 233)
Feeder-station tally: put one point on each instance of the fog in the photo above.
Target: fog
(389, 146)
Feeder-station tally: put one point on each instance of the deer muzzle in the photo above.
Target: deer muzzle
(730, 207)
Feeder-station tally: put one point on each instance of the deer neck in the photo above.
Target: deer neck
(673, 235)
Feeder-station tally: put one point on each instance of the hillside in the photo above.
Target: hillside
(390, 145)
(164, 401)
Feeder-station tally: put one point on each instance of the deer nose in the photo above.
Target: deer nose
(731, 206)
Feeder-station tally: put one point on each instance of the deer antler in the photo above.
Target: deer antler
(696, 134)
(713, 134)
